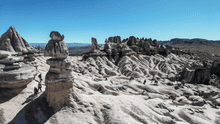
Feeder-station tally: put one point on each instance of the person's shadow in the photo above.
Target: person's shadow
(30, 98)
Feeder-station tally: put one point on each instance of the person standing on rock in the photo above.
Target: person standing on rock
(144, 81)
(35, 91)
(39, 84)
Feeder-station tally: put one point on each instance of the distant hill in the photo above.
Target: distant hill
(68, 44)
(195, 41)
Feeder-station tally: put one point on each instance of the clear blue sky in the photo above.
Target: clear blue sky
(79, 20)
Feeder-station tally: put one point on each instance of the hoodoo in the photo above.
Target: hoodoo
(59, 79)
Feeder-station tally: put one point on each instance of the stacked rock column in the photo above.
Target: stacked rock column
(59, 79)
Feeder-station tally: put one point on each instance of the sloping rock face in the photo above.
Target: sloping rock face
(59, 79)
(107, 93)
(13, 42)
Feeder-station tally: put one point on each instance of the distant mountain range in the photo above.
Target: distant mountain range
(172, 42)
(68, 44)
(194, 41)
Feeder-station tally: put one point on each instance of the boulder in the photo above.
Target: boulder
(56, 48)
(55, 35)
(197, 100)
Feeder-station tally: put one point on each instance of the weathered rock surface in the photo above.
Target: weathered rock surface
(12, 41)
(59, 79)
(14, 73)
(56, 49)
(55, 35)
(94, 44)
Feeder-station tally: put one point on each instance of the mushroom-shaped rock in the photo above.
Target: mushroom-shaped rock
(55, 35)
(56, 48)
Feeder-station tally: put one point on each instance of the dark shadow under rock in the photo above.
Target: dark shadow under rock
(36, 112)
(8, 93)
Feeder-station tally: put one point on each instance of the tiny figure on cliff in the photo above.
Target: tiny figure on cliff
(39, 84)
(35, 91)
(144, 81)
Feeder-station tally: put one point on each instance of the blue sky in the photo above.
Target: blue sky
(79, 20)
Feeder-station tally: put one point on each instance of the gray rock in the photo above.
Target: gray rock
(56, 49)
(10, 60)
(55, 35)
(116, 39)
(18, 77)
(197, 100)
(94, 44)
(12, 41)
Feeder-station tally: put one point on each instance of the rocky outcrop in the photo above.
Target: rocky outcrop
(59, 79)
(14, 74)
(94, 44)
(13, 42)
(56, 48)
(55, 35)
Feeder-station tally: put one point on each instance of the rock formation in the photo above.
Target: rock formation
(55, 35)
(56, 48)
(13, 42)
(94, 44)
(14, 74)
(59, 79)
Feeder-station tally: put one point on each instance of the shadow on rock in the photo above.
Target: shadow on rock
(36, 112)
(30, 98)
(8, 93)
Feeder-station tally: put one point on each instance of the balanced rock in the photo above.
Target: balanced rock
(59, 78)
(13, 42)
(56, 48)
(55, 35)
